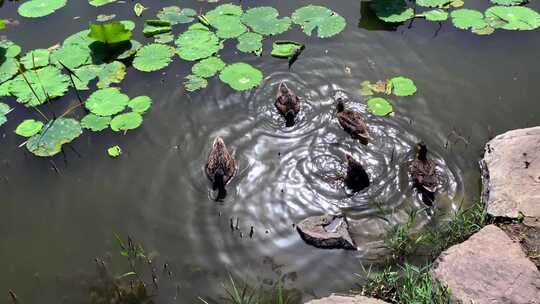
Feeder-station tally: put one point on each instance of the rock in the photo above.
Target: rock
(489, 268)
(326, 231)
(513, 165)
(335, 299)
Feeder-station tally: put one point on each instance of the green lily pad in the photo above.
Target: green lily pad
(402, 86)
(71, 55)
(46, 83)
(432, 3)
(139, 9)
(175, 15)
(4, 108)
(49, 141)
(106, 102)
(29, 128)
(286, 49)
(140, 104)
(208, 67)
(197, 43)
(508, 2)
(4, 89)
(126, 121)
(436, 15)
(9, 48)
(8, 69)
(3, 119)
(379, 106)
(513, 18)
(226, 20)
(164, 38)
(156, 27)
(488, 30)
(109, 73)
(95, 123)
(327, 22)
(468, 19)
(264, 20)
(193, 83)
(153, 57)
(37, 58)
(84, 74)
(250, 43)
(114, 151)
(241, 76)
(392, 11)
(40, 8)
(100, 2)
(110, 33)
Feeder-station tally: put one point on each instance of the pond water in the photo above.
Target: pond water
(53, 225)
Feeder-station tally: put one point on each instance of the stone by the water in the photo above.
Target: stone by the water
(335, 299)
(326, 231)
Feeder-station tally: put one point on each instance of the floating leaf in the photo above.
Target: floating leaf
(9, 49)
(84, 74)
(193, 83)
(468, 19)
(436, 15)
(36, 59)
(105, 18)
(197, 43)
(379, 106)
(4, 110)
(95, 123)
(110, 33)
(8, 69)
(156, 27)
(46, 83)
(392, 10)
(286, 49)
(175, 15)
(106, 102)
(3, 119)
(4, 89)
(208, 67)
(109, 73)
(153, 57)
(138, 9)
(488, 30)
(71, 55)
(432, 3)
(164, 38)
(250, 43)
(381, 86)
(100, 2)
(241, 76)
(114, 151)
(226, 20)
(402, 86)
(264, 20)
(513, 18)
(53, 135)
(327, 22)
(508, 2)
(29, 128)
(40, 8)
(126, 121)
(140, 104)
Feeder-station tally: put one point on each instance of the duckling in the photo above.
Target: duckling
(352, 122)
(287, 103)
(220, 167)
(424, 175)
(357, 178)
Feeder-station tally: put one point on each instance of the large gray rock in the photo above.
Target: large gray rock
(326, 231)
(335, 299)
(513, 165)
(489, 268)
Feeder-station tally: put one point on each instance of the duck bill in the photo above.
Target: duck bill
(218, 142)
(282, 88)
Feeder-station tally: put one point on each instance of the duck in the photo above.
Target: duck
(352, 122)
(220, 167)
(424, 175)
(357, 178)
(287, 103)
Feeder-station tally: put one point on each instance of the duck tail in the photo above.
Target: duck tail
(219, 184)
(289, 118)
(340, 105)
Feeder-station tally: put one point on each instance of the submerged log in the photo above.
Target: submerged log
(326, 231)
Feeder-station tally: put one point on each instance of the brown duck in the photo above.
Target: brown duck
(357, 178)
(220, 167)
(287, 103)
(424, 175)
(352, 122)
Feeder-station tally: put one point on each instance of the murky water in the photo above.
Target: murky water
(53, 225)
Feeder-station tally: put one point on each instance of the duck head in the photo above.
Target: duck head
(283, 89)
(219, 144)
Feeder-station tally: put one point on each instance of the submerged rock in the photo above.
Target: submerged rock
(335, 299)
(512, 170)
(326, 231)
(489, 268)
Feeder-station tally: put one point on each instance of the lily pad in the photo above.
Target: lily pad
(106, 102)
(139, 9)
(250, 43)
(264, 20)
(114, 151)
(208, 67)
(175, 15)
(8, 69)
(46, 83)
(49, 141)
(436, 15)
(110, 33)
(226, 20)
(286, 49)
(402, 86)
(37, 58)
(327, 22)
(392, 11)
(71, 55)
(152, 30)
(126, 121)
(95, 123)
(197, 43)
(468, 19)
(241, 76)
(4, 110)
(164, 38)
(84, 74)
(140, 104)
(100, 2)
(109, 73)
(153, 57)
(29, 128)
(432, 3)
(513, 18)
(379, 106)
(193, 83)
(4, 89)
(40, 8)
(508, 2)
(9, 48)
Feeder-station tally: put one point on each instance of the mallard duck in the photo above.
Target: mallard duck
(352, 122)
(287, 103)
(220, 167)
(357, 178)
(424, 175)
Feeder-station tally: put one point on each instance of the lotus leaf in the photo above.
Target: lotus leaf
(9, 49)
(4, 89)
(109, 73)
(105, 18)
(37, 58)
(286, 49)
(250, 43)
(110, 33)
(468, 19)
(140, 104)
(8, 69)
(436, 15)
(29, 128)
(208, 67)
(226, 9)
(432, 3)
(194, 83)
(4, 108)
(392, 10)
(3, 119)
(508, 2)
(153, 57)
(488, 30)
(402, 86)
(128, 24)
(152, 28)
(197, 43)
(46, 83)
(226, 19)
(71, 55)
(327, 22)
(241, 76)
(381, 86)
(114, 151)
(126, 121)
(139, 9)
(95, 123)
(379, 106)
(126, 49)
(264, 20)
(84, 74)
(100, 2)
(40, 8)
(164, 38)
(175, 15)
(513, 18)
(106, 102)
(49, 141)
